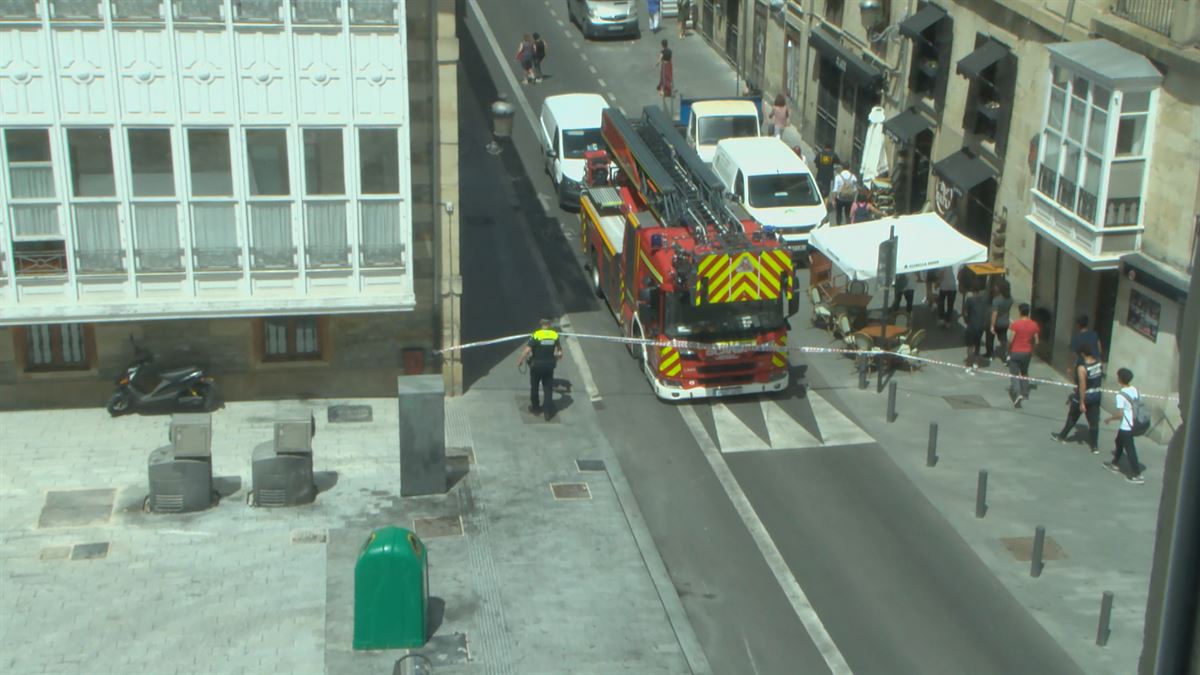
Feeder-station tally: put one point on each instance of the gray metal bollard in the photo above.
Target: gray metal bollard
(891, 410)
(1102, 631)
(862, 371)
(1035, 560)
(931, 452)
(422, 435)
(981, 494)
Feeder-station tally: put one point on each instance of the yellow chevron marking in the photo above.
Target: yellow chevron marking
(668, 362)
(650, 266)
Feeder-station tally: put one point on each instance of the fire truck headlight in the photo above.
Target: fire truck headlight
(687, 353)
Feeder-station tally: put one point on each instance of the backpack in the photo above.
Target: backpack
(847, 192)
(1141, 416)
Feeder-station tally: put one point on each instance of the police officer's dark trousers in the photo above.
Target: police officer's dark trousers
(543, 378)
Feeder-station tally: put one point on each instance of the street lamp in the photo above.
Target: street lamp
(502, 124)
(871, 12)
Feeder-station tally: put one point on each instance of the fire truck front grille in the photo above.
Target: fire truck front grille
(725, 368)
(727, 381)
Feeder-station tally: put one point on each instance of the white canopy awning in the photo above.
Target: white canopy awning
(874, 161)
(925, 242)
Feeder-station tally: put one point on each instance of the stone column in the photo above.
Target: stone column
(422, 435)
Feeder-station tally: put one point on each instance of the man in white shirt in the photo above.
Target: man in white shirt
(845, 189)
(1125, 400)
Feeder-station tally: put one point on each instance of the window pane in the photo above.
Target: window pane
(1136, 102)
(1131, 132)
(91, 163)
(29, 169)
(1097, 129)
(1079, 88)
(1060, 77)
(1068, 181)
(1090, 189)
(150, 163)
(208, 158)
(1076, 120)
(324, 171)
(1100, 96)
(1048, 175)
(379, 153)
(1124, 193)
(267, 161)
(1058, 99)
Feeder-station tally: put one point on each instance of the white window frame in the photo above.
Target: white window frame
(199, 255)
(145, 265)
(13, 203)
(315, 258)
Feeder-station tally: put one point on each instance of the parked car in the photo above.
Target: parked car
(570, 126)
(602, 18)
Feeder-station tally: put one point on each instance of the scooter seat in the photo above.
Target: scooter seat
(177, 373)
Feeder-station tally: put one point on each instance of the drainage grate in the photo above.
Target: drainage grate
(1021, 548)
(309, 536)
(350, 413)
(90, 551)
(967, 402)
(73, 508)
(270, 498)
(442, 526)
(566, 491)
(590, 465)
(168, 503)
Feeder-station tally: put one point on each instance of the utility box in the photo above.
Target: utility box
(391, 591)
(181, 473)
(282, 468)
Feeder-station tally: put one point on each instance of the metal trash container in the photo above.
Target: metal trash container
(391, 591)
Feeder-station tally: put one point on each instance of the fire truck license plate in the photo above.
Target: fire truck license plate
(729, 391)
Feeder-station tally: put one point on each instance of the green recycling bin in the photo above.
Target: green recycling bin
(391, 591)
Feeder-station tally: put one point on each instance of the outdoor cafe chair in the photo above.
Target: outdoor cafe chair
(857, 287)
(862, 343)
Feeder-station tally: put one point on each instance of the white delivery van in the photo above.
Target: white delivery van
(601, 18)
(570, 126)
(773, 184)
(712, 121)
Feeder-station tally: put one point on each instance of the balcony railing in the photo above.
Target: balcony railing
(327, 256)
(1122, 212)
(18, 9)
(1100, 246)
(274, 257)
(137, 10)
(316, 11)
(372, 12)
(159, 260)
(258, 10)
(100, 261)
(382, 255)
(215, 259)
(39, 263)
(75, 9)
(199, 10)
(1153, 14)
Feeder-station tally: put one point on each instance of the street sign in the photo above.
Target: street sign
(887, 261)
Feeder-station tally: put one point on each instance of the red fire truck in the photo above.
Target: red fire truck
(682, 266)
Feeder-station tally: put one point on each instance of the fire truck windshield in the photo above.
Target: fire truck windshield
(578, 141)
(722, 320)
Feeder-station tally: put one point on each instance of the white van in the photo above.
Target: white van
(773, 184)
(712, 121)
(570, 126)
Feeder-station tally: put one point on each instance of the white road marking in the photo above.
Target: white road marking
(574, 44)
(836, 428)
(603, 85)
(523, 103)
(592, 68)
(766, 546)
(732, 434)
(584, 57)
(561, 24)
(784, 431)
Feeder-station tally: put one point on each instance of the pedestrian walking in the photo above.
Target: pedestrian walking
(685, 13)
(542, 352)
(1085, 336)
(1025, 334)
(539, 55)
(1001, 309)
(947, 284)
(1126, 400)
(977, 318)
(525, 57)
(826, 163)
(902, 286)
(655, 8)
(778, 115)
(1085, 400)
(863, 208)
(666, 72)
(845, 188)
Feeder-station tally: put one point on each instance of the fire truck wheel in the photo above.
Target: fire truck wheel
(637, 351)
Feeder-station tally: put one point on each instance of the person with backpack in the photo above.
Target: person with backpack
(863, 210)
(1135, 421)
(539, 55)
(1085, 400)
(524, 56)
(845, 189)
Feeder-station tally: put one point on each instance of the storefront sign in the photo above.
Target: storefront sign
(943, 197)
(1143, 314)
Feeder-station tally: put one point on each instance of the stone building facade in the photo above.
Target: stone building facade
(254, 187)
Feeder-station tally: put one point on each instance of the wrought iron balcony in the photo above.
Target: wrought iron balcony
(316, 11)
(382, 255)
(273, 257)
(258, 11)
(199, 10)
(215, 259)
(18, 9)
(1099, 247)
(137, 10)
(372, 12)
(1153, 14)
(75, 10)
(39, 263)
(100, 261)
(327, 256)
(159, 260)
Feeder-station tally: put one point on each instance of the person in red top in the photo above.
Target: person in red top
(1024, 333)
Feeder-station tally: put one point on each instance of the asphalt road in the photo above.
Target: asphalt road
(881, 572)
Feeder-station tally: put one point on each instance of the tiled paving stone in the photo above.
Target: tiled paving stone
(313, 536)
(77, 508)
(441, 526)
(94, 551)
(967, 402)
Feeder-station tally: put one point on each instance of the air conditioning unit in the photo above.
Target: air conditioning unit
(181, 473)
(281, 468)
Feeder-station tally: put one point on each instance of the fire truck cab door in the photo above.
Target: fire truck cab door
(629, 295)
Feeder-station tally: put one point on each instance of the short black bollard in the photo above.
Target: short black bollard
(891, 411)
(1102, 631)
(880, 361)
(862, 371)
(981, 494)
(931, 452)
(1035, 560)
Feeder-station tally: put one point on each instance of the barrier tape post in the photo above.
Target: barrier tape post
(981, 494)
(891, 409)
(1102, 631)
(931, 451)
(1035, 560)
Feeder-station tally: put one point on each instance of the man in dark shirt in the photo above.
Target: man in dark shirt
(978, 315)
(1084, 336)
(825, 161)
(542, 353)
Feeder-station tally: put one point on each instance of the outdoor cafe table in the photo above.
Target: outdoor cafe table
(888, 332)
(851, 300)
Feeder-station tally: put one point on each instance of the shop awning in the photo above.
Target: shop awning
(862, 72)
(963, 171)
(924, 242)
(903, 128)
(981, 59)
(914, 26)
(1156, 276)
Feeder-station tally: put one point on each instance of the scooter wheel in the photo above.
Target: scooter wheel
(119, 404)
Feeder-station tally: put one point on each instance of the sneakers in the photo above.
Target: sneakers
(1112, 467)
(1017, 401)
(1095, 451)
(1058, 437)
(1136, 480)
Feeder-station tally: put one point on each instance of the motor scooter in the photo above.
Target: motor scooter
(146, 387)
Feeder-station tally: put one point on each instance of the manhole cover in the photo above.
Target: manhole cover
(590, 464)
(309, 536)
(967, 402)
(73, 508)
(349, 413)
(441, 526)
(1021, 548)
(89, 551)
(570, 491)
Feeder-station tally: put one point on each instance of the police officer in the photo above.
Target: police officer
(542, 353)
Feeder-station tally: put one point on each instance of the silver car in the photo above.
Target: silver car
(600, 18)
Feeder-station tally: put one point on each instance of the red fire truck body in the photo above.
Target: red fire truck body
(682, 267)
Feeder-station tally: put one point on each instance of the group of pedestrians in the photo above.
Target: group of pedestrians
(531, 51)
(684, 9)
